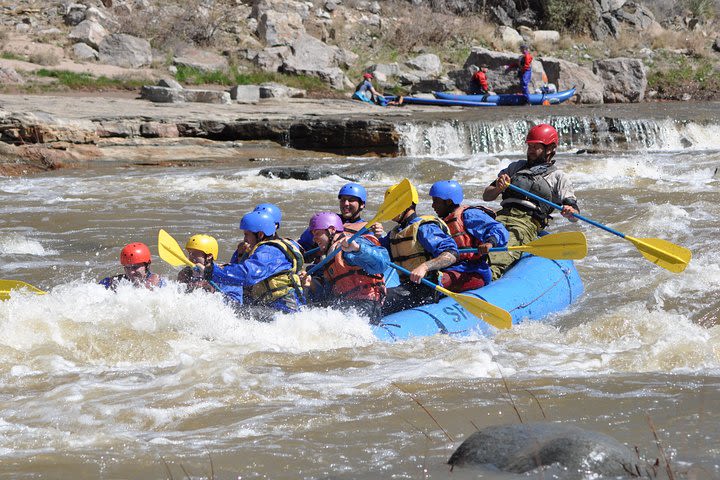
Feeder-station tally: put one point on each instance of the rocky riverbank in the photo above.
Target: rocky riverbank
(41, 132)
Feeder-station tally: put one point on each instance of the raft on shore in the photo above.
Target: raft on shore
(531, 290)
(508, 99)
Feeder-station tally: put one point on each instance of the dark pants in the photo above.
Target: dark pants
(407, 295)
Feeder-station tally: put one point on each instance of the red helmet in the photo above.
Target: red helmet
(134, 253)
(368, 75)
(543, 133)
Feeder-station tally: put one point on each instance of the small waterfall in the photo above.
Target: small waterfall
(455, 138)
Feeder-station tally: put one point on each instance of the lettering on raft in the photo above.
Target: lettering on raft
(456, 312)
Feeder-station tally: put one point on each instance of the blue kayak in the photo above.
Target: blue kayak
(441, 102)
(510, 98)
(532, 289)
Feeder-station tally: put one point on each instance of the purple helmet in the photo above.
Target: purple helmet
(323, 220)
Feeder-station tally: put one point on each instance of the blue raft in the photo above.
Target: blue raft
(441, 102)
(509, 99)
(533, 289)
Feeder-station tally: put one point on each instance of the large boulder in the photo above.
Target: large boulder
(569, 451)
(277, 90)
(201, 60)
(276, 28)
(314, 58)
(624, 78)
(425, 66)
(89, 32)
(565, 75)
(272, 58)
(500, 80)
(125, 51)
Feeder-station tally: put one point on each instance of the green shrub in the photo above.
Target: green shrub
(80, 81)
(576, 17)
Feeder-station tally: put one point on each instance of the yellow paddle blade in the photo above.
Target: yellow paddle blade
(7, 286)
(495, 316)
(395, 203)
(558, 246)
(663, 253)
(170, 251)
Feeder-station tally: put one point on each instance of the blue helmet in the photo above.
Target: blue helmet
(354, 190)
(272, 209)
(258, 222)
(447, 190)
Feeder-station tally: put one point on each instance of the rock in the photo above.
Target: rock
(272, 58)
(174, 95)
(716, 45)
(509, 36)
(546, 36)
(387, 69)
(433, 85)
(202, 60)
(245, 93)
(276, 90)
(169, 83)
(624, 78)
(314, 58)
(296, 173)
(159, 130)
(686, 97)
(636, 15)
(566, 449)
(345, 58)
(125, 51)
(75, 14)
(8, 76)
(565, 75)
(426, 65)
(89, 32)
(85, 53)
(275, 28)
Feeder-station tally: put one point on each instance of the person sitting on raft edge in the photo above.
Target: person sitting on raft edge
(136, 259)
(525, 217)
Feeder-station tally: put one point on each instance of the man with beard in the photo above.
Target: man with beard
(523, 216)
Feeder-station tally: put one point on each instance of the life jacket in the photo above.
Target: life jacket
(456, 225)
(282, 283)
(405, 248)
(352, 282)
(531, 179)
(353, 227)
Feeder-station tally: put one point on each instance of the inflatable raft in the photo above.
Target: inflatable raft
(531, 290)
(509, 99)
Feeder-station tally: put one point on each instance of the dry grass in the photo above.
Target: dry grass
(47, 58)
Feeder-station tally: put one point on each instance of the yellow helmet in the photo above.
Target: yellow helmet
(205, 243)
(413, 191)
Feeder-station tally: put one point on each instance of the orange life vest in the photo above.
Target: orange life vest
(456, 224)
(351, 282)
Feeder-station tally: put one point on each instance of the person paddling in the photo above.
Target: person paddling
(351, 199)
(354, 277)
(276, 214)
(136, 259)
(421, 244)
(269, 270)
(524, 217)
(203, 251)
(470, 227)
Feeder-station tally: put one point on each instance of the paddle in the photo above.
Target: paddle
(495, 316)
(558, 246)
(660, 252)
(395, 203)
(7, 286)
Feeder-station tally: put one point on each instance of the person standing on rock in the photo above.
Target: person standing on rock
(524, 217)
(524, 66)
(478, 82)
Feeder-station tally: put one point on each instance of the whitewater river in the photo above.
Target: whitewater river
(139, 384)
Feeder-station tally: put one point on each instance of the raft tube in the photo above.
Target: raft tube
(509, 99)
(441, 102)
(531, 290)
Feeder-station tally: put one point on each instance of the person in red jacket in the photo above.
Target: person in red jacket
(524, 66)
(478, 82)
